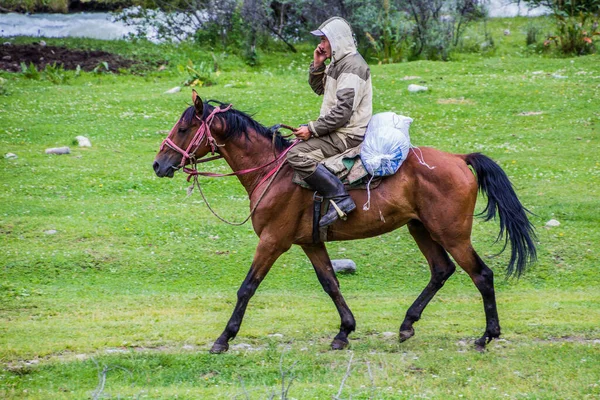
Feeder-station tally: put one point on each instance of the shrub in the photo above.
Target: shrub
(55, 73)
(200, 75)
(30, 71)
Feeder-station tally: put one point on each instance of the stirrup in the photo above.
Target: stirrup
(342, 215)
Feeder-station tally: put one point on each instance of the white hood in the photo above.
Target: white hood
(339, 34)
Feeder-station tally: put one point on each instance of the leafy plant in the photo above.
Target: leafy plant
(30, 71)
(576, 22)
(201, 75)
(389, 41)
(3, 87)
(55, 73)
(575, 35)
(101, 68)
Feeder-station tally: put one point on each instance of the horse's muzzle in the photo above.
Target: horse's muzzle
(164, 170)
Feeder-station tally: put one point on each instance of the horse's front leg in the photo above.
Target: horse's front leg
(266, 254)
(317, 253)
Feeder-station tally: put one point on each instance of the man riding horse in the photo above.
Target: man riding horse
(345, 113)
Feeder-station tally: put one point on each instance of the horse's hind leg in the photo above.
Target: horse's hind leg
(317, 253)
(483, 278)
(441, 268)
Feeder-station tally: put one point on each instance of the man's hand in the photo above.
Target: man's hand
(319, 56)
(302, 133)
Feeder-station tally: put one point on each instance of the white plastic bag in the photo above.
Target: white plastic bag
(386, 143)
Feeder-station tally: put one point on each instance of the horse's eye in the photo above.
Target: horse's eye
(182, 129)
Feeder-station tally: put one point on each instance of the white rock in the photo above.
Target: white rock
(388, 334)
(344, 266)
(58, 150)
(275, 335)
(50, 232)
(176, 89)
(558, 76)
(242, 346)
(507, 32)
(416, 88)
(552, 223)
(83, 141)
(42, 43)
(10, 155)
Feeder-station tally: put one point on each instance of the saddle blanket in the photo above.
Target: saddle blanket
(349, 168)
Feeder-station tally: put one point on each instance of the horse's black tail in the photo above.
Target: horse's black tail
(514, 224)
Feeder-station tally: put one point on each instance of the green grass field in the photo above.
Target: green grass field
(126, 297)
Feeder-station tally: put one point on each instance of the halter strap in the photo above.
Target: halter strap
(202, 133)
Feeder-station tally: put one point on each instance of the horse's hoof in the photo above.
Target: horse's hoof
(480, 344)
(405, 335)
(338, 344)
(218, 348)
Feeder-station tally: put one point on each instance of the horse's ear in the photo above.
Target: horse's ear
(198, 104)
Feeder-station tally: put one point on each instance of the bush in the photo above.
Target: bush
(576, 24)
(30, 71)
(576, 36)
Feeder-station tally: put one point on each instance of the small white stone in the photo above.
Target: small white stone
(10, 155)
(82, 141)
(58, 150)
(51, 232)
(388, 334)
(42, 43)
(344, 265)
(176, 89)
(275, 335)
(416, 88)
(558, 76)
(507, 32)
(552, 223)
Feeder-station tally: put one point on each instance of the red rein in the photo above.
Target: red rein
(202, 133)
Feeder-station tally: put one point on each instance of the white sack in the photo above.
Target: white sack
(386, 144)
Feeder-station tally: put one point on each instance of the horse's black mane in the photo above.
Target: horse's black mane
(237, 123)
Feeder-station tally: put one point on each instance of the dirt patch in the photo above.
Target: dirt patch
(11, 57)
(460, 100)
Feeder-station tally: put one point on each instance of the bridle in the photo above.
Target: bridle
(203, 133)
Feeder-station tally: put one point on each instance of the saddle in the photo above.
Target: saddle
(349, 168)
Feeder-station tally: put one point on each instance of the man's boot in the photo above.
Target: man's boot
(330, 187)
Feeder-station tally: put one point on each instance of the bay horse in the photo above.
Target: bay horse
(436, 204)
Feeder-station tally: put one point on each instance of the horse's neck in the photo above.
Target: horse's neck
(244, 154)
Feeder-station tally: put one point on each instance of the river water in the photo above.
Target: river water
(103, 26)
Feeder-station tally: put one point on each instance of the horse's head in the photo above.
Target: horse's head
(189, 139)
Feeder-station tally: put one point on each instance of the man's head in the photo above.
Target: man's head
(325, 47)
(338, 34)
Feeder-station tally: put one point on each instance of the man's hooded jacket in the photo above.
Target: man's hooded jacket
(345, 85)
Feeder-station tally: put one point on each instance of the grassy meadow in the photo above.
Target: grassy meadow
(114, 284)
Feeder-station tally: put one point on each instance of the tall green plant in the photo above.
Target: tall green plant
(390, 40)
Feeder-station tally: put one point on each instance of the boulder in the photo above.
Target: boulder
(82, 141)
(176, 89)
(417, 88)
(58, 150)
(344, 266)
